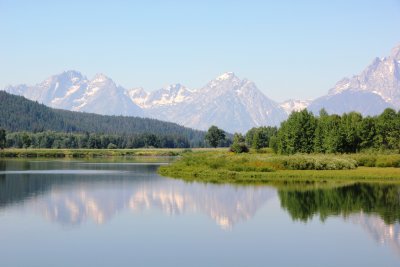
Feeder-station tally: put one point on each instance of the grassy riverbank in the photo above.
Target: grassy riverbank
(225, 167)
(86, 153)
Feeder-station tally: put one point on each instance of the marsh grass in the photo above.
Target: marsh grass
(376, 160)
(225, 167)
(86, 153)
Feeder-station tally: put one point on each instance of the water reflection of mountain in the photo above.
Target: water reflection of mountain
(375, 207)
(71, 199)
(21, 180)
(381, 232)
(225, 204)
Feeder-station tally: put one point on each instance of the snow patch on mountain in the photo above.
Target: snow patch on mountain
(168, 95)
(233, 104)
(294, 105)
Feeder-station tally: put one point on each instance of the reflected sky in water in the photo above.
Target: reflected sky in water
(79, 213)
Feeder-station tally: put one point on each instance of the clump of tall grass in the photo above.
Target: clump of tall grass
(315, 162)
(264, 162)
(377, 160)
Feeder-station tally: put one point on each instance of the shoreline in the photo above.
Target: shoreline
(88, 153)
(220, 168)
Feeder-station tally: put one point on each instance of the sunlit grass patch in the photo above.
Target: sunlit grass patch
(225, 167)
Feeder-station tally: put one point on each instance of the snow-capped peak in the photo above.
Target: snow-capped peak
(166, 96)
(395, 53)
(72, 74)
(100, 77)
(225, 76)
(172, 87)
(294, 105)
(381, 77)
(138, 96)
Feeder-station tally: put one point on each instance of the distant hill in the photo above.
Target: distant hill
(20, 114)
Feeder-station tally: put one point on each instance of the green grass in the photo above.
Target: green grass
(376, 160)
(225, 167)
(86, 153)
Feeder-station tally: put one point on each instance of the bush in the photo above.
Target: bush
(320, 162)
(388, 161)
(377, 160)
(111, 146)
(239, 148)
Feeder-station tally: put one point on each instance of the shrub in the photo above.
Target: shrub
(112, 146)
(239, 148)
(388, 161)
(318, 162)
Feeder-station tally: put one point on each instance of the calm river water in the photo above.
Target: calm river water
(85, 213)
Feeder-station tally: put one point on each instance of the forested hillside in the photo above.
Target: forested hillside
(19, 114)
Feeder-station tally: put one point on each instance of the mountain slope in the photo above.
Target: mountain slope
(365, 102)
(381, 77)
(72, 91)
(20, 114)
(169, 95)
(230, 103)
(374, 89)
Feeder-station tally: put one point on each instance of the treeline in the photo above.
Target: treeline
(303, 132)
(73, 140)
(18, 114)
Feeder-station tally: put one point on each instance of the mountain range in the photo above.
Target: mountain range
(231, 103)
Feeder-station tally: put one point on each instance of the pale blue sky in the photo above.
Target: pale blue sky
(290, 49)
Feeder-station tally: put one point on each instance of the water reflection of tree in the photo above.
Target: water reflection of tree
(380, 199)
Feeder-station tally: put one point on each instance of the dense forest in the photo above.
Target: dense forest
(303, 132)
(49, 139)
(30, 124)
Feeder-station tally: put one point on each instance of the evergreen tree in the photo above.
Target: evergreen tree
(2, 138)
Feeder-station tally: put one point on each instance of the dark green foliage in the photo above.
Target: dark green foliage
(2, 138)
(93, 141)
(349, 133)
(388, 130)
(367, 132)
(239, 145)
(297, 133)
(273, 143)
(18, 114)
(214, 136)
(260, 137)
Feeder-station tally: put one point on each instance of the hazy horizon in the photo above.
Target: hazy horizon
(290, 50)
